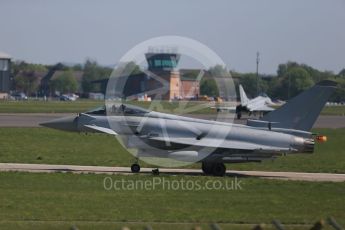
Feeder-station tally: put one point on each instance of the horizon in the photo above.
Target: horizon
(48, 32)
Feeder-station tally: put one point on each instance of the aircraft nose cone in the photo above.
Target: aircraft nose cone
(65, 123)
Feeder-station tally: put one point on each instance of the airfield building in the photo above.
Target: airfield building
(163, 80)
(5, 74)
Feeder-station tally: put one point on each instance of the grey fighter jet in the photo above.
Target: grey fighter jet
(260, 104)
(213, 143)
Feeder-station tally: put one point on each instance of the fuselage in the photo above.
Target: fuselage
(173, 126)
(163, 135)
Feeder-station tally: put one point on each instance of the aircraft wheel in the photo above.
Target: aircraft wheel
(135, 168)
(206, 168)
(155, 172)
(218, 169)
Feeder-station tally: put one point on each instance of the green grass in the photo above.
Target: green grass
(328, 157)
(71, 199)
(61, 200)
(334, 110)
(48, 106)
(91, 225)
(83, 105)
(43, 145)
(85, 225)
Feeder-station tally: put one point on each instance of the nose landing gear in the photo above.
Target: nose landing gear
(135, 168)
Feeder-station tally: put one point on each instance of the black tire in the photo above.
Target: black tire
(155, 172)
(206, 168)
(135, 168)
(218, 169)
(239, 115)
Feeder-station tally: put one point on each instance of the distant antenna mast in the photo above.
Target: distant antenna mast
(257, 72)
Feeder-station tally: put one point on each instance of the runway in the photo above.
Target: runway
(33, 119)
(78, 169)
(28, 119)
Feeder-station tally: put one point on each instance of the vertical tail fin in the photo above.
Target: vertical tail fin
(243, 96)
(302, 111)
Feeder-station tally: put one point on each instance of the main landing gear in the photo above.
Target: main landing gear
(239, 115)
(209, 168)
(135, 168)
(215, 169)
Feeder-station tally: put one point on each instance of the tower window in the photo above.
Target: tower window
(158, 63)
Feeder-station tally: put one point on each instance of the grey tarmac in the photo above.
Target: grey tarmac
(78, 169)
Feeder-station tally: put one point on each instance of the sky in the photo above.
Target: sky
(306, 31)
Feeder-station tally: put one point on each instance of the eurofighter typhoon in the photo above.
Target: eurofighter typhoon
(285, 130)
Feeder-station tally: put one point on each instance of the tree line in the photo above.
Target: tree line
(27, 77)
(290, 79)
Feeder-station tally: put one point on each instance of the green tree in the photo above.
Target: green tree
(90, 74)
(219, 71)
(21, 66)
(296, 80)
(342, 73)
(339, 94)
(315, 74)
(93, 72)
(77, 67)
(284, 68)
(26, 82)
(133, 68)
(209, 87)
(249, 83)
(65, 83)
(275, 89)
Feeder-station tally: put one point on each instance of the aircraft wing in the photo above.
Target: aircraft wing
(101, 129)
(215, 143)
(224, 108)
(259, 107)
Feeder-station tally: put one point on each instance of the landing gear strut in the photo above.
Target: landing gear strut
(239, 111)
(215, 169)
(239, 115)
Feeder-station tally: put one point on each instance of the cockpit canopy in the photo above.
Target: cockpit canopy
(97, 111)
(118, 109)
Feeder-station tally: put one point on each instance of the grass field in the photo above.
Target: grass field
(48, 106)
(63, 200)
(43, 145)
(333, 110)
(67, 199)
(84, 105)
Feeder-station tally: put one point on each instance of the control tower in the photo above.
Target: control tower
(163, 63)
